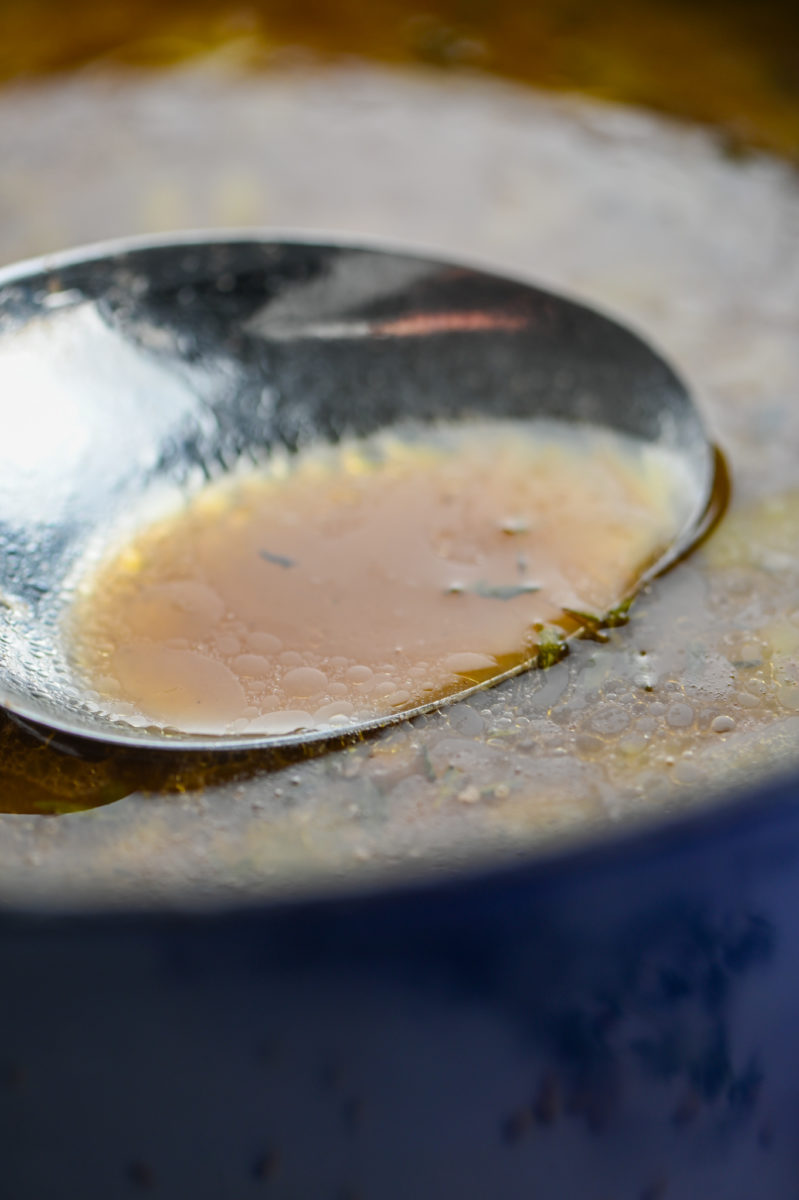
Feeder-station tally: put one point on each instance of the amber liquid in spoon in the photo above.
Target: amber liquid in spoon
(355, 581)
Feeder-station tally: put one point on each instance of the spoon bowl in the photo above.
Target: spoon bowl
(138, 371)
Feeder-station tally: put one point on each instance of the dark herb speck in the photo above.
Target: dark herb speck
(279, 560)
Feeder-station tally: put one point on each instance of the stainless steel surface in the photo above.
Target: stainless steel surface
(135, 373)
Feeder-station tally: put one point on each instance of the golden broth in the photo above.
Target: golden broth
(354, 582)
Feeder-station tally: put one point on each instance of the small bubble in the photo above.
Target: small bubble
(290, 658)
(788, 696)
(686, 772)
(749, 654)
(228, 644)
(264, 643)
(359, 674)
(252, 666)
(282, 721)
(680, 715)
(610, 719)
(336, 708)
(632, 745)
(722, 724)
(304, 681)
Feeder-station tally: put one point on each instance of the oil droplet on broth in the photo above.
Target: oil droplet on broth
(354, 581)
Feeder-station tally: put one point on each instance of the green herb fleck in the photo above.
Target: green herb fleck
(619, 615)
(552, 647)
(590, 624)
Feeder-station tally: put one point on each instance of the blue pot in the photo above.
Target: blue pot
(614, 1022)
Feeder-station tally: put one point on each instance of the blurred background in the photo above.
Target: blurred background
(458, 124)
(731, 63)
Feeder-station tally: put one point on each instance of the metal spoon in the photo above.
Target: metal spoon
(137, 367)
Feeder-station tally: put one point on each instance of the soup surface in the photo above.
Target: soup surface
(697, 695)
(357, 581)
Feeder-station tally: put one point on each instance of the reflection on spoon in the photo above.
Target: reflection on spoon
(418, 324)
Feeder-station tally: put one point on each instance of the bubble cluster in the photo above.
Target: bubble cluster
(353, 583)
